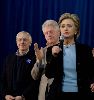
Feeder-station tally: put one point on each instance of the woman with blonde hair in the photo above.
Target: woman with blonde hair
(74, 76)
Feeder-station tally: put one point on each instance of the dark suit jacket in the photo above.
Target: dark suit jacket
(17, 78)
(84, 68)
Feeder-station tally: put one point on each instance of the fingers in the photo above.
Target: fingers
(9, 97)
(36, 47)
(38, 52)
(92, 87)
(55, 50)
(18, 98)
(93, 52)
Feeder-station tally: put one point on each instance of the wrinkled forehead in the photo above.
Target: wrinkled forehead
(49, 28)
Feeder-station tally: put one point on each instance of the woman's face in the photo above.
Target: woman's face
(67, 28)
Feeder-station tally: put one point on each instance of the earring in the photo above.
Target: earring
(75, 34)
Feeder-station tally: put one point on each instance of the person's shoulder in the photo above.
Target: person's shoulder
(10, 55)
(82, 45)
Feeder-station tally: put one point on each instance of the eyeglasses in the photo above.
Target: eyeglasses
(22, 39)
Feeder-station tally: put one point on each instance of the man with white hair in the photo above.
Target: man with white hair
(17, 80)
(51, 32)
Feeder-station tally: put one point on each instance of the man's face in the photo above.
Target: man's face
(23, 42)
(51, 35)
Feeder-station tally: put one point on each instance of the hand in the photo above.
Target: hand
(92, 87)
(93, 52)
(39, 53)
(55, 50)
(9, 97)
(18, 98)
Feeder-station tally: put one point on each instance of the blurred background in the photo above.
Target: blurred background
(29, 15)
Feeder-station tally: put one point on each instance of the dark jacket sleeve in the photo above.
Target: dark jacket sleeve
(54, 70)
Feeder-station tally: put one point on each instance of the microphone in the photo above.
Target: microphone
(61, 40)
(57, 49)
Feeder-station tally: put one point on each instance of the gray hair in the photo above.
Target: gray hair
(25, 33)
(51, 23)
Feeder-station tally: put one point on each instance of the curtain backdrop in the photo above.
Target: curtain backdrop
(29, 15)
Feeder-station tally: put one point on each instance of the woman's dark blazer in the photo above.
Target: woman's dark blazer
(84, 68)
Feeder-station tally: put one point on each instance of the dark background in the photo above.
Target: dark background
(29, 15)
